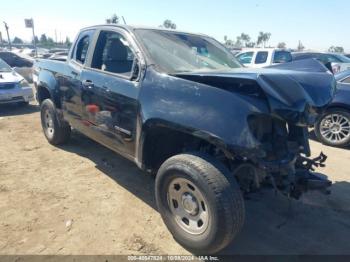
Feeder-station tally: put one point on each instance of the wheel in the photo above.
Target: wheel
(56, 130)
(333, 128)
(200, 202)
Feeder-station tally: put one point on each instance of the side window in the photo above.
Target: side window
(245, 58)
(346, 80)
(81, 48)
(113, 54)
(261, 57)
(282, 57)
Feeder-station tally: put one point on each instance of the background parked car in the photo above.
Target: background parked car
(333, 128)
(338, 62)
(261, 57)
(20, 64)
(60, 56)
(13, 87)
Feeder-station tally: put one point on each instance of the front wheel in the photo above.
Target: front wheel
(55, 129)
(200, 202)
(333, 128)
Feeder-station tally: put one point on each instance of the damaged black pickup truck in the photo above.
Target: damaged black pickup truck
(179, 105)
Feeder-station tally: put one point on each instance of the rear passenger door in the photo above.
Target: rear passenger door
(70, 83)
(111, 89)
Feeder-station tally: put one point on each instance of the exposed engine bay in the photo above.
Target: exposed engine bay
(294, 94)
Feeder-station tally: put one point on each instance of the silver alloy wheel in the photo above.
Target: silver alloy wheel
(188, 206)
(48, 122)
(335, 128)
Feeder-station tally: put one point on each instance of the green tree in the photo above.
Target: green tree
(263, 38)
(68, 42)
(17, 40)
(43, 39)
(238, 42)
(114, 19)
(282, 45)
(336, 49)
(169, 24)
(245, 39)
(250, 44)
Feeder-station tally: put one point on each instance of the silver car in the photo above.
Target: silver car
(13, 87)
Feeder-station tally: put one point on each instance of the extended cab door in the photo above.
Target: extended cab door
(111, 88)
(71, 87)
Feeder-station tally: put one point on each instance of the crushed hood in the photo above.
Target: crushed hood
(295, 91)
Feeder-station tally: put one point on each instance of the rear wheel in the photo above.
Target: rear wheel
(55, 129)
(200, 202)
(333, 128)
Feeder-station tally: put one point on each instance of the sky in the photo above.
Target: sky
(317, 24)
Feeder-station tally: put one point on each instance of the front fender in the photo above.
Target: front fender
(206, 112)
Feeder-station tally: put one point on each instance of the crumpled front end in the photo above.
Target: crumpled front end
(285, 163)
(295, 101)
(295, 94)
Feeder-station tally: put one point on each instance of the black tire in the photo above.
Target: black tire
(59, 131)
(223, 197)
(341, 143)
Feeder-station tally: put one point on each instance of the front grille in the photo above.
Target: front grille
(4, 86)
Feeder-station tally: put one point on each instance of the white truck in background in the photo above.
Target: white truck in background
(262, 57)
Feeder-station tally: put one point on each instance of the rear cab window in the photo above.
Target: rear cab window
(81, 48)
(282, 57)
(261, 57)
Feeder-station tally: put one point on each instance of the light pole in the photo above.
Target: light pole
(8, 35)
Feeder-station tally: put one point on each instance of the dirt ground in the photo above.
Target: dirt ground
(82, 198)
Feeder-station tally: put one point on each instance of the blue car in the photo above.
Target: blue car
(333, 128)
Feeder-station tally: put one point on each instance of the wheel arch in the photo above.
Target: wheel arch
(161, 140)
(47, 88)
(341, 106)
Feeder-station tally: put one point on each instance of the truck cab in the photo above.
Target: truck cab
(262, 57)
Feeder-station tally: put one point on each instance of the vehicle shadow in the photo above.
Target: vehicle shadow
(122, 171)
(274, 225)
(17, 109)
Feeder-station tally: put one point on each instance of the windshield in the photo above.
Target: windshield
(178, 52)
(4, 67)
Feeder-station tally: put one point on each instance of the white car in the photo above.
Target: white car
(13, 87)
(262, 57)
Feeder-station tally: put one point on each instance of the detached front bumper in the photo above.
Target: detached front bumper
(15, 95)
